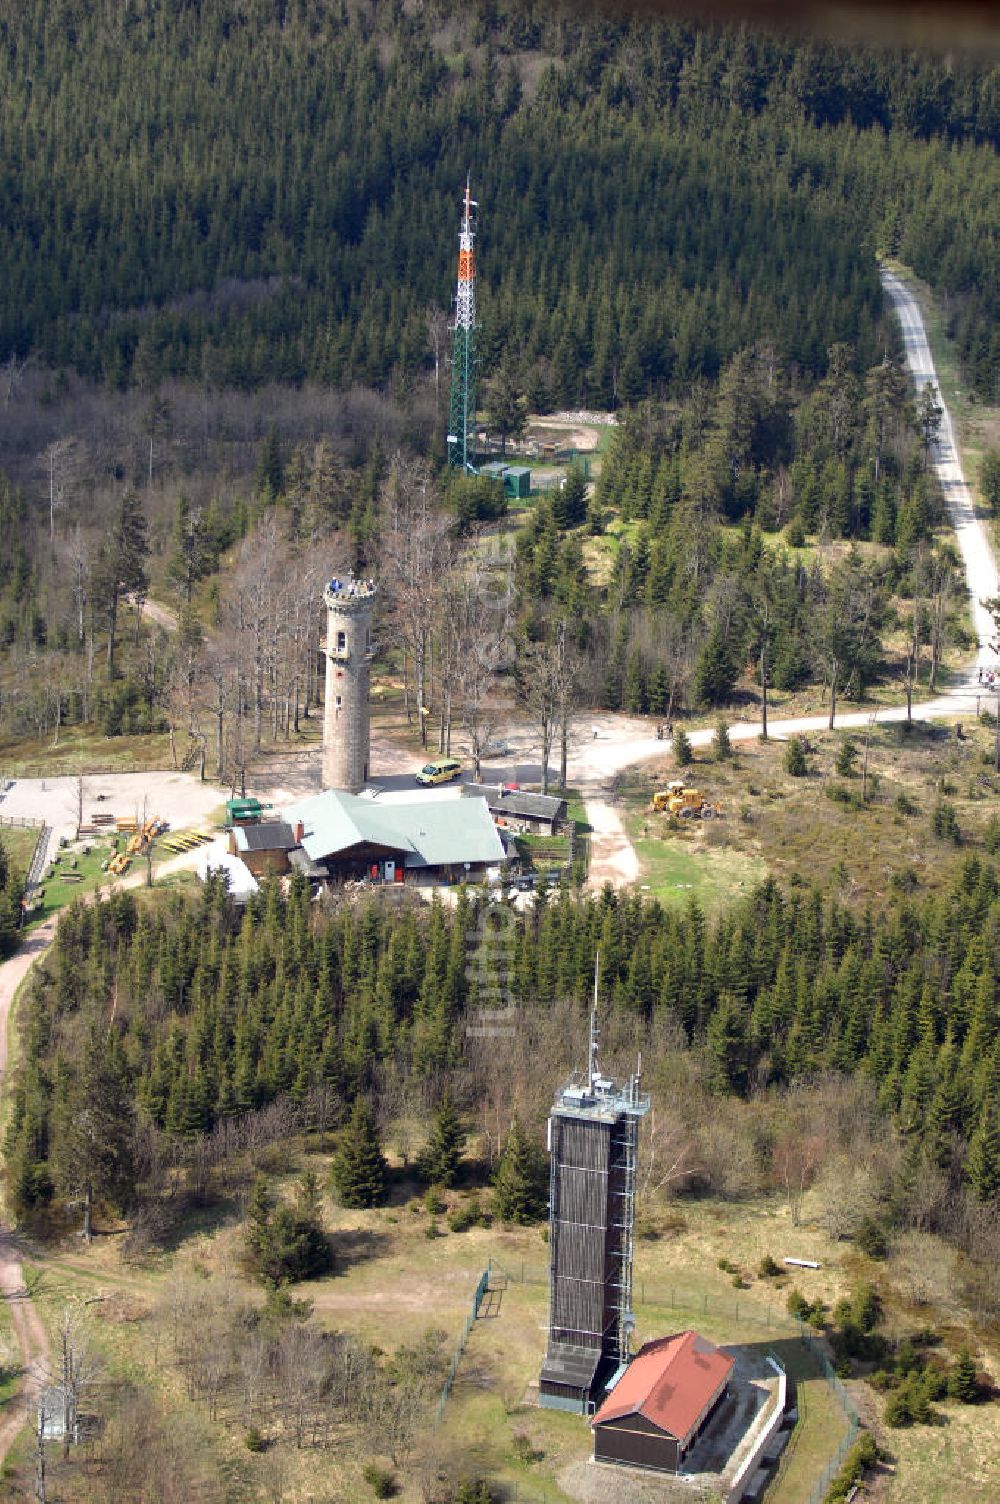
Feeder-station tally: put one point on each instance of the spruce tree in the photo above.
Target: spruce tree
(358, 1172)
(439, 1161)
(722, 747)
(715, 671)
(847, 754)
(683, 751)
(983, 1164)
(520, 1179)
(92, 1142)
(962, 1384)
(795, 758)
(569, 501)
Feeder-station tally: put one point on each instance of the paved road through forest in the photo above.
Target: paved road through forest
(977, 556)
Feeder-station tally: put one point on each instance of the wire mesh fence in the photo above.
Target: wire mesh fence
(675, 1296)
(481, 1288)
(692, 1302)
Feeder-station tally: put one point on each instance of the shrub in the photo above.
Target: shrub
(434, 1202)
(795, 533)
(863, 1454)
(432, 1230)
(381, 1480)
(944, 822)
(910, 1403)
(991, 835)
(839, 793)
(795, 758)
(904, 804)
(470, 1214)
(847, 754)
(871, 1239)
(897, 1408)
(767, 1267)
(254, 1441)
(797, 1305)
(525, 1449)
(866, 1308)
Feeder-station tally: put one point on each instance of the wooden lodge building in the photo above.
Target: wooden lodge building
(350, 837)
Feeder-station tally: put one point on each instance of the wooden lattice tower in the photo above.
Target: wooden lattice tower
(593, 1143)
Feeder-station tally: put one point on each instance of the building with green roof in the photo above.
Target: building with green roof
(358, 836)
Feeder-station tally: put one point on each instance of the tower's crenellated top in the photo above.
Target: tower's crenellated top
(350, 594)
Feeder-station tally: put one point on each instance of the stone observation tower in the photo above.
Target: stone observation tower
(346, 728)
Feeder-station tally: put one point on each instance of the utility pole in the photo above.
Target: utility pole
(462, 408)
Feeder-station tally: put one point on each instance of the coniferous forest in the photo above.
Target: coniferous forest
(679, 223)
(196, 190)
(216, 1017)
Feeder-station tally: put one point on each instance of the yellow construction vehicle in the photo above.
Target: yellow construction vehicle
(687, 803)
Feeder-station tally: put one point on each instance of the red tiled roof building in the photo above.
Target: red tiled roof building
(661, 1403)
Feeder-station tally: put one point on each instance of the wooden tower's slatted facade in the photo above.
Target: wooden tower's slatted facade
(593, 1132)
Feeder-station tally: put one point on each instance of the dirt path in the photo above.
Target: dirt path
(31, 1336)
(612, 855)
(163, 616)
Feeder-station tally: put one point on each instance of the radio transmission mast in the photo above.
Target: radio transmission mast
(462, 410)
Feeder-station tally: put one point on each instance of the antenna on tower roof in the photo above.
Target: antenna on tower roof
(592, 1068)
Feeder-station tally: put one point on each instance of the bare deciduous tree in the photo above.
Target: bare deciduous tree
(415, 556)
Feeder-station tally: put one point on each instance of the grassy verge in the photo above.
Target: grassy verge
(84, 749)
(19, 842)
(10, 1357)
(822, 1427)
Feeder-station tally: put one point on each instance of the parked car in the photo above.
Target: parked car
(441, 771)
(496, 747)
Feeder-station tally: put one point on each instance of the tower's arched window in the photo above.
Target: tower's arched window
(341, 641)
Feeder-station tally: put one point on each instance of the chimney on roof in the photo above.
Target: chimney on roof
(299, 832)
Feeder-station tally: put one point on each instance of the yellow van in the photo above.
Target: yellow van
(442, 771)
